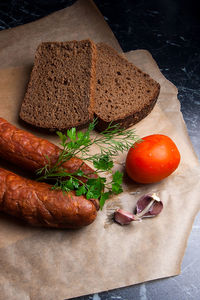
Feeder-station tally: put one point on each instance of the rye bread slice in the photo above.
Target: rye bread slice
(124, 94)
(60, 92)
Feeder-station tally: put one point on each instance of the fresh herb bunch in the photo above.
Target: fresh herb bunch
(110, 142)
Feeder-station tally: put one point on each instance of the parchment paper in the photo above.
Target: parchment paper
(80, 21)
(42, 264)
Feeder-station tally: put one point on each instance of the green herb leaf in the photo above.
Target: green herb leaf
(89, 195)
(62, 137)
(117, 177)
(95, 187)
(110, 142)
(80, 135)
(71, 133)
(103, 163)
(76, 183)
(69, 184)
(116, 188)
(81, 190)
(104, 197)
(79, 173)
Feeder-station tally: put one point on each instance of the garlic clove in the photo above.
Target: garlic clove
(149, 205)
(123, 217)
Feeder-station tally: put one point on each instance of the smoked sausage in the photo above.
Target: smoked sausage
(39, 205)
(30, 152)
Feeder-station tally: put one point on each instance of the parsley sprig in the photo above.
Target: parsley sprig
(110, 143)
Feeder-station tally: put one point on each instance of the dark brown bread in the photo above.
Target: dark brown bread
(124, 94)
(60, 92)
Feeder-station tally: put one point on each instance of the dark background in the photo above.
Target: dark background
(170, 30)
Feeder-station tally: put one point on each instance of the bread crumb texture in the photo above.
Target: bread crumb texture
(60, 92)
(124, 94)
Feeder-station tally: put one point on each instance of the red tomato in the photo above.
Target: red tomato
(153, 159)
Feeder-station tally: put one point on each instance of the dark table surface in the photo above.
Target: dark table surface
(170, 30)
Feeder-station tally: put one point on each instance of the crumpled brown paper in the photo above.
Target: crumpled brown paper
(42, 264)
(80, 21)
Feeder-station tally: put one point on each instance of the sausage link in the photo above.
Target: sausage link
(39, 205)
(30, 152)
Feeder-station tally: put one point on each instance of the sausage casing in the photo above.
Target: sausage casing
(30, 152)
(39, 205)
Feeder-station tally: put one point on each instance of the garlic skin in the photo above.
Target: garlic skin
(149, 205)
(123, 217)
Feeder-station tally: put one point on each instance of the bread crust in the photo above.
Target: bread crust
(129, 120)
(56, 98)
(93, 79)
(119, 87)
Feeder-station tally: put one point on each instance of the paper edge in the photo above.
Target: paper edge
(148, 53)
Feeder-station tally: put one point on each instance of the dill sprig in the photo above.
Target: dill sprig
(110, 143)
